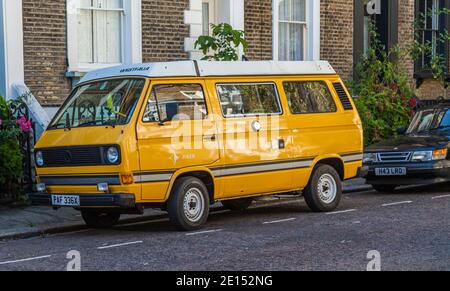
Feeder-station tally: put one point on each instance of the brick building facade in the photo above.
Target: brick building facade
(161, 30)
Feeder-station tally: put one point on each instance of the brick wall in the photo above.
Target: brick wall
(258, 28)
(45, 47)
(406, 31)
(163, 30)
(336, 35)
(432, 89)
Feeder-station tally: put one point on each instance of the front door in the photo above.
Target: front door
(175, 131)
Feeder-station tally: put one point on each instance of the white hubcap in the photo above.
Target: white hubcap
(327, 188)
(193, 205)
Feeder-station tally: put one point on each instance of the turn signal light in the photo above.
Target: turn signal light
(440, 154)
(127, 179)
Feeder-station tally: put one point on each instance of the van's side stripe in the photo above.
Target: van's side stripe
(259, 168)
(352, 157)
(152, 177)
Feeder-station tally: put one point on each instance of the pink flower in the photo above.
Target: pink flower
(25, 125)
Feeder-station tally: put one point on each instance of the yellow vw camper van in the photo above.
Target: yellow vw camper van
(182, 135)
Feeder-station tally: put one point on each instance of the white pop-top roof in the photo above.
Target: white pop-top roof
(211, 68)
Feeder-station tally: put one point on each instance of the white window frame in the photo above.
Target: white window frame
(311, 41)
(131, 36)
(211, 13)
(276, 26)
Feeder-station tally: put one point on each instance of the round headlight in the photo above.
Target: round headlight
(39, 159)
(112, 155)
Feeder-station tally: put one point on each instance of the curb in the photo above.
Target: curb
(70, 227)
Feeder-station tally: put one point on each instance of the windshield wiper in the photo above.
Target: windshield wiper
(95, 122)
(89, 123)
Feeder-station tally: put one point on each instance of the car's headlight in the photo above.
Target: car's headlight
(426, 156)
(39, 159)
(112, 155)
(370, 158)
(440, 154)
(422, 156)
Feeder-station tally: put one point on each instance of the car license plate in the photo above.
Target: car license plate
(65, 200)
(390, 171)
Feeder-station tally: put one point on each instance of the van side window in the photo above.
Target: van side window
(175, 102)
(253, 99)
(309, 97)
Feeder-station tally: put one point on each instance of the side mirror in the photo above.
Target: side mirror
(401, 130)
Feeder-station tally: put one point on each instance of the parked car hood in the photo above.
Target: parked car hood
(410, 142)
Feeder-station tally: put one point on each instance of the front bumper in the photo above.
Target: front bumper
(416, 173)
(89, 200)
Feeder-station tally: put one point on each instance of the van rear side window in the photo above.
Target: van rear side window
(176, 102)
(248, 99)
(309, 97)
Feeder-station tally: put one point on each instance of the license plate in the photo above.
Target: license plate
(390, 171)
(65, 200)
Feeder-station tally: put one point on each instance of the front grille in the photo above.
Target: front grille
(394, 157)
(73, 156)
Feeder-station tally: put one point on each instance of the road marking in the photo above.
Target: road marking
(397, 203)
(120, 245)
(203, 232)
(338, 212)
(25, 260)
(439, 197)
(280, 220)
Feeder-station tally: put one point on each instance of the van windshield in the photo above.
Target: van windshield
(109, 102)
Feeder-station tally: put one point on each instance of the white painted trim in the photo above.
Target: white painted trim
(131, 36)
(314, 31)
(12, 64)
(133, 24)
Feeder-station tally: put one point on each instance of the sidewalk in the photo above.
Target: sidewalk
(32, 221)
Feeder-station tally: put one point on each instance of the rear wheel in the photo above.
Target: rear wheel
(237, 204)
(188, 205)
(100, 220)
(384, 188)
(324, 189)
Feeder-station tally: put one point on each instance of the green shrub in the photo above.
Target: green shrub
(10, 154)
(383, 91)
(223, 44)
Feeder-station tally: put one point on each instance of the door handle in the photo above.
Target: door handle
(209, 137)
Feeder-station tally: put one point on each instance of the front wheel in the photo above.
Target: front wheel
(100, 220)
(188, 205)
(324, 189)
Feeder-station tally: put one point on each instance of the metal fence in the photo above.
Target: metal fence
(26, 142)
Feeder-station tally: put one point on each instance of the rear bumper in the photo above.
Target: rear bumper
(89, 200)
(417, 173)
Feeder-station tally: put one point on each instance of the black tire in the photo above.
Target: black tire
(316, 201)
(100, 220)
(384, 188)
(197, 190)
(237, 204)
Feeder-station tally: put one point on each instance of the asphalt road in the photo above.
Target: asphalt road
(410, 229)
